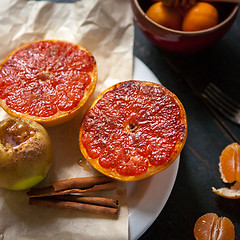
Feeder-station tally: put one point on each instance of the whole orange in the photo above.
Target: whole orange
(170, 17)
(200, 17)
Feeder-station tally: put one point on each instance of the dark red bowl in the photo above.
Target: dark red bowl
(180, 41)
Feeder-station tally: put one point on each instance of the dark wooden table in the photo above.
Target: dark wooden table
(209, 133)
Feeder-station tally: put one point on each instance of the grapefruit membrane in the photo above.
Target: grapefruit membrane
(48, 81)
(133, 130)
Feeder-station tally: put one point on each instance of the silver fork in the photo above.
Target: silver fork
(221, 102)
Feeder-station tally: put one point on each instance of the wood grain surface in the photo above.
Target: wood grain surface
(209, 132)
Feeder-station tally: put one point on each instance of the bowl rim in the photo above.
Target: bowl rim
(219, 25)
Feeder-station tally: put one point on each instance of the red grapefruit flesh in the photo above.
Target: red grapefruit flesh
(48, 81)
(133, 130)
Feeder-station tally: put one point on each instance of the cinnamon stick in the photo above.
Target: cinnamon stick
(62, 195)
(61, 204)
(85, 182)
(50, 191)
(101, 201)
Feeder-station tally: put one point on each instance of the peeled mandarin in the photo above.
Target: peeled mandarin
(229, 165)
(210, 226)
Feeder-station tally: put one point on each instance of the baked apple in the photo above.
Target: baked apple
(25, 153)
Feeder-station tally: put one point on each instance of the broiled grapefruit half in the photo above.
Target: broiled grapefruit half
(48, 81)
(133, 130)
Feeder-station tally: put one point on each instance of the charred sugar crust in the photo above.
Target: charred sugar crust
(132, 125)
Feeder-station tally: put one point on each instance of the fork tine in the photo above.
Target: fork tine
(217, 102)
(223, 97)
(216, 105)
(221, 102)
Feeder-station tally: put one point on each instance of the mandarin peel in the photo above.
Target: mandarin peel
(125, 128)
(60, 85)
(232, 193)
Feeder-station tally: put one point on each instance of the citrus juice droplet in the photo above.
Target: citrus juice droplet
(82, 163)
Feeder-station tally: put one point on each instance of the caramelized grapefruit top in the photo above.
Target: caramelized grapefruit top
(133, 129)
(48, 81)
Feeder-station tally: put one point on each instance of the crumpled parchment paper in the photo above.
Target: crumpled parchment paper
(105, 28)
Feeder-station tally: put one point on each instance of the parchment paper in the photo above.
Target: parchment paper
(105, 28)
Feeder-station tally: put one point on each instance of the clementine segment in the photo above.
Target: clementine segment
(133, 129)
(229, 164)
(210, 226)
(48, 81)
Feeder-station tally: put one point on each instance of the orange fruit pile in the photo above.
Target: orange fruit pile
(210, 226)
(133, 130)
(48, 81)
(197, 17)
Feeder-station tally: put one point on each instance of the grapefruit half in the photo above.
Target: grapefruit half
(48, 81)
(133, 130)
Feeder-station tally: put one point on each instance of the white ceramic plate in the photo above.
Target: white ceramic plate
(146, 198)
